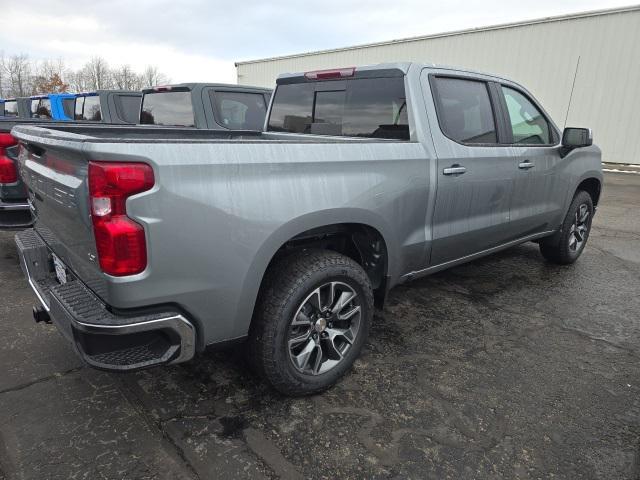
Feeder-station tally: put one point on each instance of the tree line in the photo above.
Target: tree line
(21, 76)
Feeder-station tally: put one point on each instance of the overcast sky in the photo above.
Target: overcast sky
(199, 40)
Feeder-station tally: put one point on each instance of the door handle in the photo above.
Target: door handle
(526, 165)
(454, 170)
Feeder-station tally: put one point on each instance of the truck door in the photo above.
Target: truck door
(539, 191)
(475, 173)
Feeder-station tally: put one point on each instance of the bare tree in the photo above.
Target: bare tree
(78, 81)
(17, 70)
(20, 77)
(152, 77)
(49, 77)
(125, 78)
(51, 68)
(97, 74)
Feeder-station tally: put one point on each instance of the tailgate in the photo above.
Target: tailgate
(55, 172)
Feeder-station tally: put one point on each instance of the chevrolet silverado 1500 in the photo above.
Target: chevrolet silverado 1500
(150, 245)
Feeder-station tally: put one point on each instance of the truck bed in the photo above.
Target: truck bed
(105, 133)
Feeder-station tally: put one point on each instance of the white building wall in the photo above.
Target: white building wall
(601, 49)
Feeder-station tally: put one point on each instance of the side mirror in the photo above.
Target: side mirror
(577, 138)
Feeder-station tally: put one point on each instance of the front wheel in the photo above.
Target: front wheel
(312, 319)
(566, 247)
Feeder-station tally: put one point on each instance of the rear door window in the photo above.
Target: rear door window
(368, 107)
(172, 108)
(528, 125)
(239, 110)
(464, 110)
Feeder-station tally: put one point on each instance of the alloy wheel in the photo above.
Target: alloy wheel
(324, 328)
(579, 228)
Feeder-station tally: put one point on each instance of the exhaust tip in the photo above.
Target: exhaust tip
(41, 315)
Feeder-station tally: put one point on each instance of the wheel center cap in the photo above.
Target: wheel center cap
(321, 325)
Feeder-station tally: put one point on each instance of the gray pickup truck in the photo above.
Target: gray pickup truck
(150, 246)
(212, 106)
(105, 106)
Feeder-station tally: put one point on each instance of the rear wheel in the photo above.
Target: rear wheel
(566, 247)
(312, 319)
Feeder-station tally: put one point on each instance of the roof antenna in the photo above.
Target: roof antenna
(571, 95)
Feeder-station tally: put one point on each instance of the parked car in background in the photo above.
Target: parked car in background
(205, 106)
(16, 108)
(108, 106)
(103, 106)
(151, 244)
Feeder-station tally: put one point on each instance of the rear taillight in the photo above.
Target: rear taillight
(8, 172)
(120, 242)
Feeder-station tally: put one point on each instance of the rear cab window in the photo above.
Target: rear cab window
(88, 108)
(41, 108)
(239, 110)
(357, 107)
(91, 109)
(167, 107)
(68, 104)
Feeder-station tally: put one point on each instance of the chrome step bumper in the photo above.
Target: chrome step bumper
(103, 339)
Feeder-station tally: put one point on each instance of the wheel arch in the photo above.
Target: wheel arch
(310, 228)
(593, 186)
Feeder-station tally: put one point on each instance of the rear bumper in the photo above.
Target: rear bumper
(100, 337)
(16, 214)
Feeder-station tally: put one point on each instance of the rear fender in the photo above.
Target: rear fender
(286, 232)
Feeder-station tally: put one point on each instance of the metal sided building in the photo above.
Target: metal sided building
(592, 58)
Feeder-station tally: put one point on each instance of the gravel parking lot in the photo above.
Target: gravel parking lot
(507, 367)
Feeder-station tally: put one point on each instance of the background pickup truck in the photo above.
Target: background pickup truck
(54, 106)
(107, 106)
(212, 106)
(15, 108)
(150, 245)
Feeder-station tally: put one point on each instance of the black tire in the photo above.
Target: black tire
(287, 288)
(563, 248)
